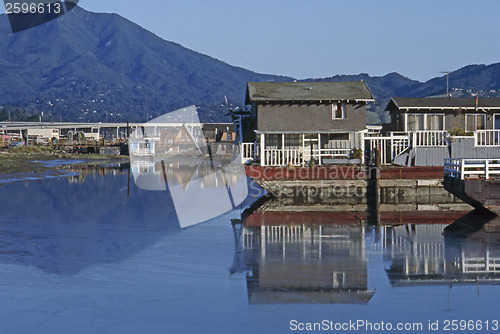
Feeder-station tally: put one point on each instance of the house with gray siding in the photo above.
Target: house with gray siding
(298, 123)
(439, 128)
(444, 114)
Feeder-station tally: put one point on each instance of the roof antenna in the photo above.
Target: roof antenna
(447, 83)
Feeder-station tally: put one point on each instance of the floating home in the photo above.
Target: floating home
(322, 123)
(425, 131)
(299, 123)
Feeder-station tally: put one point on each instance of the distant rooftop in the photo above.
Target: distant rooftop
(443, 103)
(307, 91)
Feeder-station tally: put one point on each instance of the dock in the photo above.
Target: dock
(475, 181)
(110, 138)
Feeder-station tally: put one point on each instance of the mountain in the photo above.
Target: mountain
(87, 66)
(483, 78)
(463, 82)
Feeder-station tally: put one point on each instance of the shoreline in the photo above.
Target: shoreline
(15, 167)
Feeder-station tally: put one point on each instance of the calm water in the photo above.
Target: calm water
(96, 254)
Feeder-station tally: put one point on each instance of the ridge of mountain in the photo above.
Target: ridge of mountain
(87, 66)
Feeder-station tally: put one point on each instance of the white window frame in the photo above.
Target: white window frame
(475, 115)
(495, 115)
(335, 108)
(424, 121)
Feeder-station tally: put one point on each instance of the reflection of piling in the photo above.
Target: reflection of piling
(237, 231)
(373, 191)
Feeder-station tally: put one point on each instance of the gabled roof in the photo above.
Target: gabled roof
(406, 103)
(307, 91)
(219, 126)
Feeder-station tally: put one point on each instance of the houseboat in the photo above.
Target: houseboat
(322, 123)
(433, 129)
(303, 140)
(304, 123)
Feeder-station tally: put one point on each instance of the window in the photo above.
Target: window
(273, 141)
(420, 122)
(293, 141)
(435, 122)
(338, 110)
(475, 122)
(415, 122)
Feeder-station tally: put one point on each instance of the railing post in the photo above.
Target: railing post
(283, 162)
(363, 148)
(487, 168)
(462, 169)
(263, 153)
(392, 147)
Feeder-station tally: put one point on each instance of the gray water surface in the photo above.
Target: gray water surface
(96, 254)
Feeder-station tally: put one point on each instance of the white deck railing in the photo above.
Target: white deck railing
(487, 138)
(471, 168)
(379, 143)
(429, 138)
(295, 157)
(389, 146)
(248, 152)
(326, 153)
(281, 157)
(399, 144)
(142, 151)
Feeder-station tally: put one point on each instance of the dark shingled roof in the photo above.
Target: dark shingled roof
(307, 91)
(443, 103)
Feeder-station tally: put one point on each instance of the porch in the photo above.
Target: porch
(299, 149)
(418, 148)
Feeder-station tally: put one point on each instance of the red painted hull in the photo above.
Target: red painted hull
(341, 173)
(350, 218)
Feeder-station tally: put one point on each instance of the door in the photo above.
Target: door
(311, 148)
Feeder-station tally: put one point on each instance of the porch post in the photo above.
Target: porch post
(262, 149)
(283, 162)
(363, 147)
(319, 149)
(303, 149)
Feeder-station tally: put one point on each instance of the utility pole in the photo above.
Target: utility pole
(447, 82)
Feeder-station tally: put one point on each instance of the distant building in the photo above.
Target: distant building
(219, 131)
(295, 123)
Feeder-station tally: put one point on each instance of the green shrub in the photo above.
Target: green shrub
(459, 131)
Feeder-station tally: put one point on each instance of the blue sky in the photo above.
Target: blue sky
(321, 38)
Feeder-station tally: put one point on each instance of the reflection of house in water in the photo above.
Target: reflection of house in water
(201, 189)
(186, 139)
(182, 173)
(289, 261)
(153, 139)
(423, 254)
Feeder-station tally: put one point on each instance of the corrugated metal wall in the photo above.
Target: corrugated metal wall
(464, 148)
